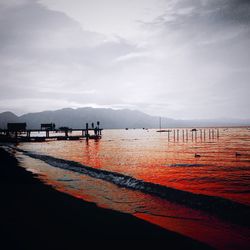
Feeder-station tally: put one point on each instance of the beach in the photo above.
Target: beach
(36, 216)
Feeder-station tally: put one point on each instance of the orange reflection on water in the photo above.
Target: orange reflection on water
(150, 156)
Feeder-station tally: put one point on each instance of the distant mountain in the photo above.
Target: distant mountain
(6, 117)
(109, 118)
(77, 118)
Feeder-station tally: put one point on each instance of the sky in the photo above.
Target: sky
(183, 59)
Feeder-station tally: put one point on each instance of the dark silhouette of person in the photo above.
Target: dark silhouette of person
(96, 130)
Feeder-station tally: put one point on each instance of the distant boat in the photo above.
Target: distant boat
(194, 129)
(162, 130)
(126, 128)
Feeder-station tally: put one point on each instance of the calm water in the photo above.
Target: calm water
(153, 157)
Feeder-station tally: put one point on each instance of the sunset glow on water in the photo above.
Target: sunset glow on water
(149, 156)
(152, 157)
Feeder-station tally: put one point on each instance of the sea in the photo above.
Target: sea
(194, 183)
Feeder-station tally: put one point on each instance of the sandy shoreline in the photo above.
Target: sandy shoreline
(35, 215)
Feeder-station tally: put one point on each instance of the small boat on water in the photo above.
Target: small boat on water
(162, 130)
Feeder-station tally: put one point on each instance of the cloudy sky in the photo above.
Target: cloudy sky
(178, 58)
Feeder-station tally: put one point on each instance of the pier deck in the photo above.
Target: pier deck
(41, 135)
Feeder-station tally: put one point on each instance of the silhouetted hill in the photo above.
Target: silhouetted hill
(76, 118)
(109, 118)
(6, 117)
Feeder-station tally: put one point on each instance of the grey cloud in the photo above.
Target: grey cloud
(210, 19)
(232, 11)
(32, 30)
(41, 48)
(207, 42)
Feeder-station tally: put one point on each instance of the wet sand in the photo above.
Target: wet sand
(35, 216)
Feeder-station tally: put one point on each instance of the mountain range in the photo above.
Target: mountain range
(109, 118)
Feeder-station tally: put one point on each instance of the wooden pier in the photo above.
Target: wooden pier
(17, 132)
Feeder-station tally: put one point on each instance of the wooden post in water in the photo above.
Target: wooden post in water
(187, 134)
(47, 133)
(177, 134)
(87, 131)
(204, 133)
(98, 128)
(192, 132)
(174, 134)
(218, 133)
(212, 133)
(183, 134)
(201, 134)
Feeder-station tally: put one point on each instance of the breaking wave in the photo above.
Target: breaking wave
(236, 212)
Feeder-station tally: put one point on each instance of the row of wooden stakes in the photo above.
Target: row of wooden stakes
(194, 134)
